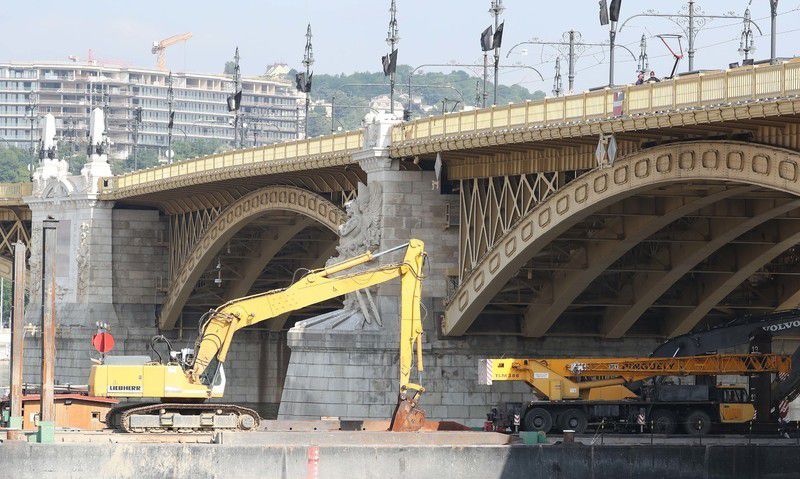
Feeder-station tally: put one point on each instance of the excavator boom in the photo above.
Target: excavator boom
(197, 374)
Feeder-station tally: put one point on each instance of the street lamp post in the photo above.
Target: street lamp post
(31, 110)
(137, 121)
(610, 17)
(308, 60)
(392, 38)
(495, 10)
(773, 14)
(170, 117)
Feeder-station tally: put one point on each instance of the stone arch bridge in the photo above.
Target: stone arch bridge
(536, 246)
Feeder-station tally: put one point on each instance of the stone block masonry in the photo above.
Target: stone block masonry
(140, 258)
(126, 260)
(353, 374)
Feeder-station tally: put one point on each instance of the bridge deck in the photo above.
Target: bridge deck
(743, 93)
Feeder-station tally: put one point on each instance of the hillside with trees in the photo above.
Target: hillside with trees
(351, 95)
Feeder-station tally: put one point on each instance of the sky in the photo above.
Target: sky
(349, 35)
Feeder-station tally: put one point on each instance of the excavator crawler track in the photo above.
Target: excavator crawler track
(182, 418)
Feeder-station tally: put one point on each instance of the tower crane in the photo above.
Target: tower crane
(159, 48)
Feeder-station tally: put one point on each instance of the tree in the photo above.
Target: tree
(318, 122)
(230, 67)
(14, 164)
(186, 149)
(354, 91)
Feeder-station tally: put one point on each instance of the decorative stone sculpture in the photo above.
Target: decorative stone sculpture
(49, 164)
(97, 167)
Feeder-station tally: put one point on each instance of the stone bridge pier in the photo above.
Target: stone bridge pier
(107, 268)
(345, 365)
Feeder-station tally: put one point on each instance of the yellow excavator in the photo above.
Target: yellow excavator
(191, 376)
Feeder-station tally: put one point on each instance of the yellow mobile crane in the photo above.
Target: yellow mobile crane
(574, 391)
(191, 376)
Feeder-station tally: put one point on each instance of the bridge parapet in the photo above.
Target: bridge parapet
(297, 155)
(11, 194)
(692, 92)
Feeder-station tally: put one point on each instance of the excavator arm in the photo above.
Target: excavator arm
(742, 331)
(315, 287)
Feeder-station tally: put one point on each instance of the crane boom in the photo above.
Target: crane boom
(591, 378)
(159, 48)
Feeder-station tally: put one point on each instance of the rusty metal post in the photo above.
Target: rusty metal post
(49, 252)
(17, 340)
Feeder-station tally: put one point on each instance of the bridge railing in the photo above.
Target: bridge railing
(323, 145)
(738, 84)
(12, 193)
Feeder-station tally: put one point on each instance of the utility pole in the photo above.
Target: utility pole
(495, 10)
(308, 60)
(643, 61)
(691, 20)
(746, 45)
(31, 108)
(392, 38)
(773, 15)
(137, 120)
(557, 90)
(17, 342)
(238, 138)
(690, 52)
(333, 111)
(571, 56)
(48, 327)
(574, 47)
(170, 117)
(485, 73)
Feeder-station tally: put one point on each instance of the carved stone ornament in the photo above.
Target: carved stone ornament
(83, 258)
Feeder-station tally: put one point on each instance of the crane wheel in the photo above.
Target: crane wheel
(538, 419)
(573, 420)
(663, 421)
(697, 423)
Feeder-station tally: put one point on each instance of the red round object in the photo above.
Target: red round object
(103, 342)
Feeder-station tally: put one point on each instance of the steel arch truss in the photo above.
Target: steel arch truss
(208, 232)
(711, 216)
(14, 226)
(489, 207)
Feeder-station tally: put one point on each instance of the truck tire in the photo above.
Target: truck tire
(663, 421)
(538, 419)
(573, 420)
(697, 423)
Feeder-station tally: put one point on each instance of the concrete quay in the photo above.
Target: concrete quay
(330, 460)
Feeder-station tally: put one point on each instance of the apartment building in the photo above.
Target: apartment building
(271, 109)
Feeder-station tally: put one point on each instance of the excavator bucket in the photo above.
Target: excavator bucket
(407, 416)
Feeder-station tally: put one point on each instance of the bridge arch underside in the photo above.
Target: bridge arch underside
(15, 225)
(262, 255)
(667, 240)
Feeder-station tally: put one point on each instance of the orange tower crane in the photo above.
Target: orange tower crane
(159, 48)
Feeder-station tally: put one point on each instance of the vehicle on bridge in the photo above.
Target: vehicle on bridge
(187, 378)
